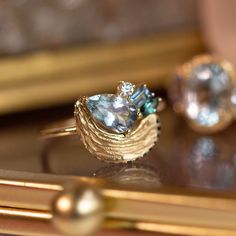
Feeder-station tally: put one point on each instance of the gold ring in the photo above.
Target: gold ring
(117, 127)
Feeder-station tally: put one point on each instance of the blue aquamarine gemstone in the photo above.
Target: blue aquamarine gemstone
(140, 96)
(114, 112)
(150, 106)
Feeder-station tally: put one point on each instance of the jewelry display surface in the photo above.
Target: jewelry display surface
(199, 169)
(182, 158)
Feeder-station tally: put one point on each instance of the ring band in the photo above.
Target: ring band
(59, 129)
(117, 127)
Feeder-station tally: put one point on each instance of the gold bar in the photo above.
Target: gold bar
(26, 222)
(32, 214)
(166, 210)
(169, 228)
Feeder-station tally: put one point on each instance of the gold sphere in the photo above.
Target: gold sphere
(78, 210)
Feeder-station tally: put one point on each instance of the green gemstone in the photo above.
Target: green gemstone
(150, 106)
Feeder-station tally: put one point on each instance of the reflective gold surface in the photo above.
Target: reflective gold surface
(185, 185)
(182, 158)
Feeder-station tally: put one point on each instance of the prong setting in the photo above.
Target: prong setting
(125, 89)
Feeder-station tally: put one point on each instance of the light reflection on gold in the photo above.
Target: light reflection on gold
(31, 185)
(25, 213)
(176, 198)
(182, 229)
(133, 174)
(64, 203)
(87, 203)
(78, 210)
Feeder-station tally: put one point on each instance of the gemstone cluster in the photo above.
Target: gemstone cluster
(119, 112)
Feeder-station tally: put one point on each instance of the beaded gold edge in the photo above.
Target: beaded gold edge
(113, 147)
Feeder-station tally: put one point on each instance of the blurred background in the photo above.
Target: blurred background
(53, 51)
(31, 25)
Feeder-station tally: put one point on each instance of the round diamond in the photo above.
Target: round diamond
(125, 89)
